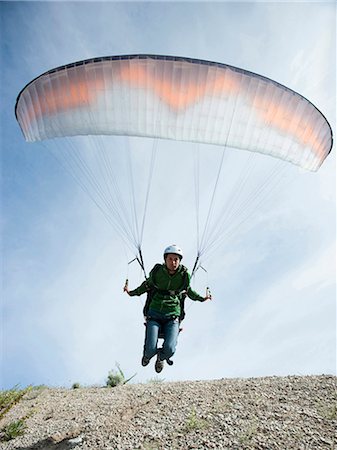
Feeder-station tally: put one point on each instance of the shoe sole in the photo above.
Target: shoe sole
(159, 366)
(158, 369)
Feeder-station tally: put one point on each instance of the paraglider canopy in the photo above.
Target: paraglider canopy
(175, 98)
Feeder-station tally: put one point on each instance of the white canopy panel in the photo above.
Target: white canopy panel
(175, 98)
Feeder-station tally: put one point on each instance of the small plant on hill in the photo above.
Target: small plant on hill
(35, 391)
(116, 377)
(76, 386)
(194, 422)
(248, 434)
(13, 430)
(10, 397)
(327, 411)
(156, 380)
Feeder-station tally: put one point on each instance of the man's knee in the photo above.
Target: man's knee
(169, 349)
(149, 352)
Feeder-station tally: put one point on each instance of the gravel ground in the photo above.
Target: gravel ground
(257, 413)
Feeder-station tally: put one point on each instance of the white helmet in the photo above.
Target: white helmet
(173, 249)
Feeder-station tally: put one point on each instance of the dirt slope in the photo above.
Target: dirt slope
(258, 413)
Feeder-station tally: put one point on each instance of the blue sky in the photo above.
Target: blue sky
(64, 316)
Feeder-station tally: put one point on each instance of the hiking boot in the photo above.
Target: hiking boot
(169, 362)
(159, 364)
(145, 361)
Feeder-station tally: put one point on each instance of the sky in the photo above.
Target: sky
(64, 317)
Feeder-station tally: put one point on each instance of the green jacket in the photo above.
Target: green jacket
(167, 290)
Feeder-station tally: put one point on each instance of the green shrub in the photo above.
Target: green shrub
(327, 411)
(194, 423)
(246, 435)
(10, 397)
(13, 430)
(116, 377)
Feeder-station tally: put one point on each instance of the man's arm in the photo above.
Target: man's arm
(144, 287)
(193, 295)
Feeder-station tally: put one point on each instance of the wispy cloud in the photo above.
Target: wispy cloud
(293, 321)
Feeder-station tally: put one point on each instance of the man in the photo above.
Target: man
(167, 286)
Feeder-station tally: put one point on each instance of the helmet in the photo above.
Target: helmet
(173, 249)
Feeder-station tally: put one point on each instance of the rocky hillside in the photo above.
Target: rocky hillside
(261, 413)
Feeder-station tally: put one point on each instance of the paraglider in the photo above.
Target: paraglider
(174, 98)
(167, 287)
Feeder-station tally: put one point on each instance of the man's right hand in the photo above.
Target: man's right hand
(126, 289)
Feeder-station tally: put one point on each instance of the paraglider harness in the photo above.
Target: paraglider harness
(181, 293)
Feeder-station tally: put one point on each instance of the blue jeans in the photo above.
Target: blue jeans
(170, 328)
